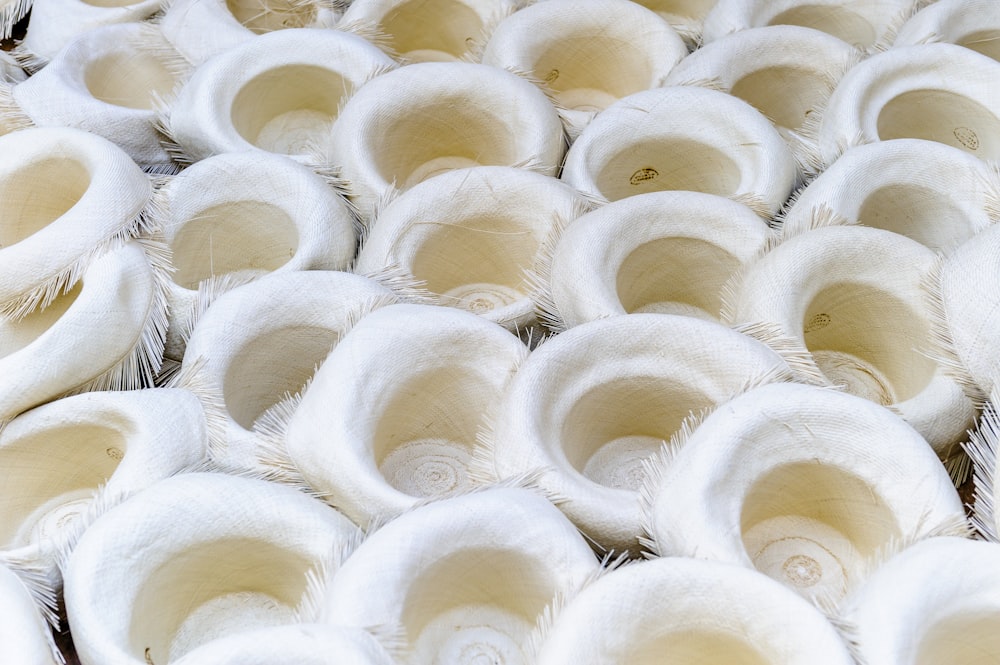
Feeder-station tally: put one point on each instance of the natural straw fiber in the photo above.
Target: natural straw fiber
(25, 638)
(974, 24)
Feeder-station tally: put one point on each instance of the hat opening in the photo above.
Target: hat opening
(921, 213)
(261, 16)
(986, 42)
(787, 95)
(130, 78)
(613, 427)
(17, 335)
(832, 19)
(432, 30)
(659, 164)
(942, 116)
(675, 276)
(868, 340)
(701, 644)
(289, 110)
(232, 237)
(969, 636)
(812, 527)
(682, 9)
(34, 196)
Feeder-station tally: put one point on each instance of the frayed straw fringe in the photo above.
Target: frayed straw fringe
(798, 358)
(959, 467)
(210, 290)
(982, 450)
(11, 12)
(888, 37)
(46, 599)
(190, 377)
(12, 118)
(29, 61)
(403, 284)
(102, 502)
(161, 123)
(371, 32)
(477, 47)
(538, 279)
(310, 607)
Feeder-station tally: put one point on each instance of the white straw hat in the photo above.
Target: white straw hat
(666, 252)
(587, 53)
(938, 92)
(200, 29)
(589, 406)
(56, 23)
(64, 462)
(805, 484)
(66, 197)
(935, 194)
(687, 611)
(391, 417)
(194, 558)
(294, 644)
(247, 214)
(424, 119)
(280, 92)
(863, 24)
(686, 138)
(465, 578)
(853, 296)
(105, 333)
(427, 31)
(262, 341)
(974, 24)
(786, 72)
(107, 82)
(25, 637)
(936, 602)
(469, 235)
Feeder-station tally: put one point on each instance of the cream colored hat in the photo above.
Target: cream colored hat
(974, 24)
(469, 235)
(294, 644)
(107, 82)
(786, 72)
(936, 602)
(682, 138)
(427, 31)
(666, 252)
(587, 53)
(192, 559)
(279, 93)
(862, 24)
(938, 92)
(261, 342)
(105, 333)
(391, 417)
(244, 215)
(689, 611)
(66, 197)
(853, 296)
(25, 637)
(63, 463)
(465, 578)
(805, 484)
(424, 119)
(56, 23)
(938, 195)
(200, 29)
(589, 406)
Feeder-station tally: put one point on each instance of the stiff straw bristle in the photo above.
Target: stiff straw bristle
(538, 279)
(655, 469)
(798, 358)
(46, 598)
(982, 450)
(191, 377)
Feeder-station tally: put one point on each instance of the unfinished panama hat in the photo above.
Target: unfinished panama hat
(64, 462)
(107, 82)
(586, 53)
(936, 602)
(689, 611)
(465, 578)
(806, 484)
(426, 379)
(786, 72)
(666, 252)
(935, 194)
(427, 30)
(854, 297)
(25, 637)
(105, 333)
(56, 23)
(200, 29)
(469, 235)
(66, 197)
(939, 92)
(974, 24)
(589, 406)
(425, 119)
(244, 370)
(862, 24)
(280, 92)
(294, 644)
(244, 215)
(682, 138)
(195, 558)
